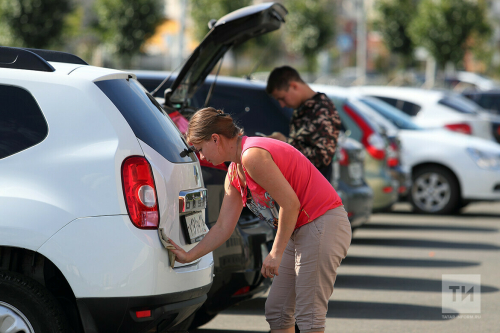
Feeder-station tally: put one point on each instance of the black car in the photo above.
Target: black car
(237, 263)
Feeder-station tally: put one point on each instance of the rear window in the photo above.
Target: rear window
(147, 119)
(22, 124)
(409, 108)
(397, 117)
(460, 104)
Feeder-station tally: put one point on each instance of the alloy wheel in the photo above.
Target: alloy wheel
(431, 192)
(13, 321)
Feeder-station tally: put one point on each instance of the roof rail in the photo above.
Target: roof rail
(58, 56)
(16, 58)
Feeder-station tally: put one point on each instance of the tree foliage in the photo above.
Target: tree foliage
(202, 11)
(126, 24)
(310, 27)
(35, 23)
(444, 27)
(395, 17)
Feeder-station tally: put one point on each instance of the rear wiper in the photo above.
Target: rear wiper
(187, 151)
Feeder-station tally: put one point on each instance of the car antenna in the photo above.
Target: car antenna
(168, 77)
(209, 95)
(258, 63)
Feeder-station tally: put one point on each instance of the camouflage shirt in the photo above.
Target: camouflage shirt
(314, 130)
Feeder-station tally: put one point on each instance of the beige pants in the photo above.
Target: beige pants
(307, 273)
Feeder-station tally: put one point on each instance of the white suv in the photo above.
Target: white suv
(94, 177)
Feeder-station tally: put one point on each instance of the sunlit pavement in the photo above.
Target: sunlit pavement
(391, 279)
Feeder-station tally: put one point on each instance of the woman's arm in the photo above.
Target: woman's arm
(261, 167)
(229, 214)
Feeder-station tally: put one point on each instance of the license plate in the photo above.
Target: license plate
(194, 227)
(355, 171)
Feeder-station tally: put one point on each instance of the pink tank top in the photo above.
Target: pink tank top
(315, 193)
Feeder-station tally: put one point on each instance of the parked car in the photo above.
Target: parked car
(92, 176)
(349, 180)
(259, 114)
(377, 171)
(238, 263)
(449, 170)
(435, 108)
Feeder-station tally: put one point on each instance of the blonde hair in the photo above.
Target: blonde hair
(208, 121)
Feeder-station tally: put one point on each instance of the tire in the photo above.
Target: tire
(434, 190)
(26, 306)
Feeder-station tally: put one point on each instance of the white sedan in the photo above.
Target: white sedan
(449, 170)
(436, 108)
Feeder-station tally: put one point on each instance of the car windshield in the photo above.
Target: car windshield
(400, 119)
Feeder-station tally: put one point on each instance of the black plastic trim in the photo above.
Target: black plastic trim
(58, 56)
(117, 314)
(17, 58)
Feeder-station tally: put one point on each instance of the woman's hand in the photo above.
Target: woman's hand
(270, 265)
(180, 255)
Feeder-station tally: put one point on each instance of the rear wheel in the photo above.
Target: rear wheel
(26, 306)
(435, 190)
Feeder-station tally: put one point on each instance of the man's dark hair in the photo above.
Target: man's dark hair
(280, 78)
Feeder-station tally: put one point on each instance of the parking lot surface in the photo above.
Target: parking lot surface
(391, 279)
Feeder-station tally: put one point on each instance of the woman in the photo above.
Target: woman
(313, 232)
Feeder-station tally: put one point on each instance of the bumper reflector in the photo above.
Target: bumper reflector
(143, 314)
(242, 291)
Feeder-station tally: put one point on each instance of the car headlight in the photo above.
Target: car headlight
(485, 160)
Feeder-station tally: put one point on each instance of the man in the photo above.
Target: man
(315, 123)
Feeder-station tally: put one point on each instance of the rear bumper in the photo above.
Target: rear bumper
(118, 314)
(358, 201)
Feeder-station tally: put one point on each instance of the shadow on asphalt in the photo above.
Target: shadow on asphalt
(465, 214)
(403, 262)
(419, 243)
(380, 226)
(355, 310)
(222, 331)
(374, 282)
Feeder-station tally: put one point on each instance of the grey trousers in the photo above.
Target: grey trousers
(307, 273)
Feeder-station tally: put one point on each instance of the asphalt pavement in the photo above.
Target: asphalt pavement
(392, 277)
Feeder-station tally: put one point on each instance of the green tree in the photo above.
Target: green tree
(393, 21)
(446, 28)
(127, 24)
(34, 23)
(310, 28)
(202, 11)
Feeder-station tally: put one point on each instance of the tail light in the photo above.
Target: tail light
(372, 141)
(392, 155)
(343, 157)
(140, 192)
(461, 128)
(387, 189)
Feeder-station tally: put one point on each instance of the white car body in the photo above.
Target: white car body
(63, 199)
(450, 150)
(433, 114)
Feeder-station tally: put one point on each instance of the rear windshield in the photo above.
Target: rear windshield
(147, 119)
(399, 119)
(460, 104)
